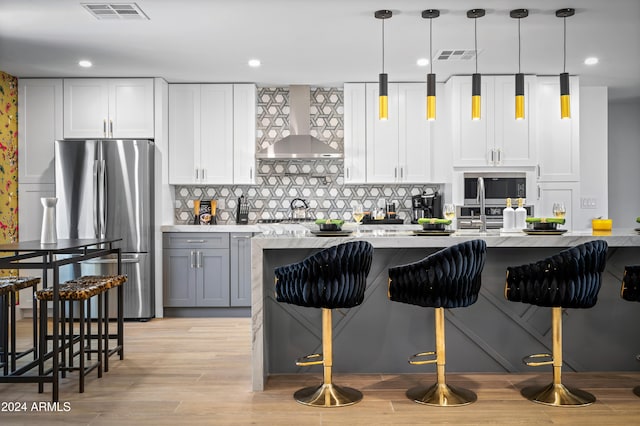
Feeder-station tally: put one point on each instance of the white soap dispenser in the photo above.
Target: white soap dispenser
(521, 215)
(508, 217)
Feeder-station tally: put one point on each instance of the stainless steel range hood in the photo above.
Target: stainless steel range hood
(299, 144)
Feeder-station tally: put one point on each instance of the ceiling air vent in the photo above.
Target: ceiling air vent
(456, 54)
(115, 11)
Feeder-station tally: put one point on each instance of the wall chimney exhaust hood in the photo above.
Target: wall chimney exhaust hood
(299, 144)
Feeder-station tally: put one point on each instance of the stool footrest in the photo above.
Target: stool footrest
(313, 359)
(415, 359)
(529, 360)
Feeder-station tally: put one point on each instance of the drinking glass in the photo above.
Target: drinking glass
(449, 212)
(357, 214)
(559, 210)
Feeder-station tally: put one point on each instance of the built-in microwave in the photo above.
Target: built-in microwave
(497, 188)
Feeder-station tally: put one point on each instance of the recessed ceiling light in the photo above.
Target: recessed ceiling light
(591, 61)
(422, 62)
(254, 63)
(85, 63)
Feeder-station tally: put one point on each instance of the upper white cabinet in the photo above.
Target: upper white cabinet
(398, 149)
(39, 124)
(108, 108)
(211, 134)
(244, 133)
(355, 133)
(558, 140)
(497, 138)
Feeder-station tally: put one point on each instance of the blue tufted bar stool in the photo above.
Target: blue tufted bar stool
(449, 278)
(631, 291)
(335, 277)
(569, 279)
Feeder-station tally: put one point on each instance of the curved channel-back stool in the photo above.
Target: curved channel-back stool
(449, 278)
(631, 291)
(335, 277)
(569, 279)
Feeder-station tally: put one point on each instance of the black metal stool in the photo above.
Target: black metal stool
(5, 289)
(631, 291)
(569, 279)
(333, 278)
(449, 278)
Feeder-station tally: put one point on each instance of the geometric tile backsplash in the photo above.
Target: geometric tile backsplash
(319, 182)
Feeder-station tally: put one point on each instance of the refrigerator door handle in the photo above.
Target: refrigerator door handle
(96, 166)
(103, 199)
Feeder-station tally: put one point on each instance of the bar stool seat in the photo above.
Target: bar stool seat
(449, 278)
(630, 291)
(569, 279)
(333, 278)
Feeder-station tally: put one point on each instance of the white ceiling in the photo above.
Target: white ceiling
(321, 42)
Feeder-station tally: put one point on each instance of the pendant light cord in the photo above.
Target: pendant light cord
(430, 46)
(475, 37)
(382, 46)
(564, 53)
(519, 47)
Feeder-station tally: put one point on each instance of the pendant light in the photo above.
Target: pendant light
(383, 80)
(431, 77)
(565, 98)
(519, 14)
(475, 78)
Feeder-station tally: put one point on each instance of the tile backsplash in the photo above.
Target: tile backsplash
(319, 182)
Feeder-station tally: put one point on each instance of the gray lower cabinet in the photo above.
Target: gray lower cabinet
(207, 269)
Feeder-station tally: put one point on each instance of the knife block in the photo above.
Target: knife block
(242, 211)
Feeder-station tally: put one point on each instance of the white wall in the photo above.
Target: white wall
(624, 163)
(593, 155)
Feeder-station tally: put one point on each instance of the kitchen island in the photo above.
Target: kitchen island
(490, 336)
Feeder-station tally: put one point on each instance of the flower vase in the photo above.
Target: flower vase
(48, 234)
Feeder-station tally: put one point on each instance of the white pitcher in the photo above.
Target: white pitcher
(48, 234)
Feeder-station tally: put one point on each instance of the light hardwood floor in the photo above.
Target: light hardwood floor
(197, 371)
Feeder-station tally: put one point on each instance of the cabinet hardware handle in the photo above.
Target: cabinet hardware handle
(204, 174)
(192, 258)
(250, 173)
(492, 157)
(401, 172)
(195, 241)
(199, 259)
(538, 169)
(241, 236)
(347, 173)
(196, 174)
(499, 156)
(538, 192)
(104, 127)
(395, 172)
(111, 128)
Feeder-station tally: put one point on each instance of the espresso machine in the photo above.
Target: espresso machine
(426, 205)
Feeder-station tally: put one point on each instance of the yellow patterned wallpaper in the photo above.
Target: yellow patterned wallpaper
(8, 158)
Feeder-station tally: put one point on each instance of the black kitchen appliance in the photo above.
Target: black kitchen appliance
(426, 205)
(242, 211)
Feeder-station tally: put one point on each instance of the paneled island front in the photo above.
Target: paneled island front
(492, 335)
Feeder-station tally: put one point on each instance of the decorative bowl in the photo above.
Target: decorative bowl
(329, 224)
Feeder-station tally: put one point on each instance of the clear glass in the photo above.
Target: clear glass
(449, 213)
(559, 210)
(357, 214)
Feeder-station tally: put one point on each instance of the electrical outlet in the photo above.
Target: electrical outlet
(588, 203)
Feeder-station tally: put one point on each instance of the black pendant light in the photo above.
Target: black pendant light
(519, 14)
(565, 98)
(383, 108)
(431, 77)
(475, 78)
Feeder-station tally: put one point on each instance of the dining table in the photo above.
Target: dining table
(50, 258)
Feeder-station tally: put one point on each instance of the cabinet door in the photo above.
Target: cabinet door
(414, 147)
(382, 137)
(40, 112)
(240, 269)
(131, 108)
(244, 134)
(179, 277)
(558, 140)
(212, 286)
(86, 108)
(559, 192)
(472, 139)
(355, 131)
(216, 133)
(184, 133)
(514, 139)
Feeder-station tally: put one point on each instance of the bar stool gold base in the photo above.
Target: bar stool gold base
(328, 395)
(558, 395)
(441, 395)
(636, 390)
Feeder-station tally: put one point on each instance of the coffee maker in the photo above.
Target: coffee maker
(426, 205)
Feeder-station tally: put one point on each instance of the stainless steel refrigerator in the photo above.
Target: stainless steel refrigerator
(105, 189)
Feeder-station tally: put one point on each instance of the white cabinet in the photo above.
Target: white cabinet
(398, 149)
(559, 192)
(211, 134)
(497, 138)
(355, 133)
(244, 134)
(558, 140)
(39, 125)
(108, 108)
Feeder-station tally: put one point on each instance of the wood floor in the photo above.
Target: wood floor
(197, 371)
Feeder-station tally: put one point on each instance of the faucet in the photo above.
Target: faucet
(481, 199)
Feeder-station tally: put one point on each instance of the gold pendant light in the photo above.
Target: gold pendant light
(431, 77)
(565, 98)
(519, 14)
(383, 79)
(475, 78)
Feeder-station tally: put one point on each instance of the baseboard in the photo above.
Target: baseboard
(207, 312)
